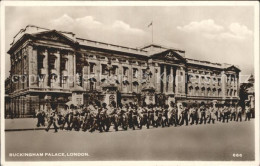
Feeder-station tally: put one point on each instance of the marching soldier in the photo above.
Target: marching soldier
(185, 114)
(145, 120)
(179, 113)
(68, 118)
(165, 120)
(75, 119)
(247, 111)
(53, 118)
(225, 113)
(151, 115)
(239, 113)
(233, 112)
(175, 115)
(216, 109)
(39, 117)
(212, 113)
(94, 113)
(202, 111)
(221, 112)
(195, 114)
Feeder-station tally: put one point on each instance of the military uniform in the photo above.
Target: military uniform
(185, 116)
(247, 111)
(239, 113)
(145, 120)
(225, 114)
(75, 121)
(194, 115)
(39, 118)
(203, 114)
(233, 113)
(53, 118)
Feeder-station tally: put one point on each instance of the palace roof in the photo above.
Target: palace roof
(146, 51)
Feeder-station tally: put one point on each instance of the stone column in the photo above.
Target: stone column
(33, 72)
(120, 73)
(98, 71)
(74, 69)
(177, 77)
(71, 69)
(223, 84)
(45, 67)
(58, 68)
(130, 78)
(170, 85)
(158, 79)
(183, 82)
(237, 85)
(165, 90)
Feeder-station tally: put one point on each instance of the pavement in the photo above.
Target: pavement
(210, 142)
(21, 124)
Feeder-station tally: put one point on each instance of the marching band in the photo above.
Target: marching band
(100, 117)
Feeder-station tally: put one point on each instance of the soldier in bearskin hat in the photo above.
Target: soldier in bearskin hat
(202, 111)
(247, 111)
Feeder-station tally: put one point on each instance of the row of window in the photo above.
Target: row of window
(204, 92)
(114, 70)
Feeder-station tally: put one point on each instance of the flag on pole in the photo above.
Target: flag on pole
(150, 24)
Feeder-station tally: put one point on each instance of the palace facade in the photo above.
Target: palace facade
(54, 68)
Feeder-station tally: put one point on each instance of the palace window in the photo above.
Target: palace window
(202, 91)
(92, 67)
(231, 92)
(219, 92)
(40, 61)
(197, 91)
(219, 81)
(64, 81)
(208, 80)
(104, 69)
(197, 78)
(64, 63)
(190, 78)
(202, 79)
(143, 73)
(190, 90)
(214, 92)
(91, 85)
(125, 71)
(135, 71)
(209, 92)
(114, 70)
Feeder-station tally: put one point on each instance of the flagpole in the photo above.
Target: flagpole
(152, 32)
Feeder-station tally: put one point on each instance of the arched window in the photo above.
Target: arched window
(214, 92)
(231, 92)
(190, 90)
(219, 92)
(197, 91)
(209, 91)
(203, 91)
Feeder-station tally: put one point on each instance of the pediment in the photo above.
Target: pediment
(169, 55)
(54, 36)
(232, 68)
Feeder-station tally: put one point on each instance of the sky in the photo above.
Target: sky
(222, 34)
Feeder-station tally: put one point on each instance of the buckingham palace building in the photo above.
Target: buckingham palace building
(54, 68)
